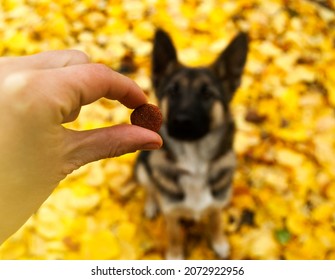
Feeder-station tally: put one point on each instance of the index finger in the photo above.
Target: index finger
(83, 84)
(44, 60)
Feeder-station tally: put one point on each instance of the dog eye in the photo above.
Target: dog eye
(173, 89)
(206, 92)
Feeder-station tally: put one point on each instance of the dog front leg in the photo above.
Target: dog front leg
(175, 249)
(219, 241)
(151, 205)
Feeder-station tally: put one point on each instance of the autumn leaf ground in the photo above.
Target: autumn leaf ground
(284, 188)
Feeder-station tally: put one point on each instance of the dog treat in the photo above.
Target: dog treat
(148, 116)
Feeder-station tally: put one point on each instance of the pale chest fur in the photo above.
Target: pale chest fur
(194, 161)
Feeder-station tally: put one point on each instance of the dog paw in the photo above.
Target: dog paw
(151, 210)
(174, 256)
(222, 248)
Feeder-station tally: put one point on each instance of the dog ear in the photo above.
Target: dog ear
(164, 56)
(229, 65)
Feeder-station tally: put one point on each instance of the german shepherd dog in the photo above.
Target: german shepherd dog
(190, 177)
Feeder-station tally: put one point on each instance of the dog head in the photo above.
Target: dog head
(195, 100)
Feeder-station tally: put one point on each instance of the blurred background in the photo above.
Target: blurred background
(283, 205)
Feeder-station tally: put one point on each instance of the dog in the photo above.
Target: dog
(190, 177)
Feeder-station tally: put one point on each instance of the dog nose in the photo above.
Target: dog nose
(182, 120)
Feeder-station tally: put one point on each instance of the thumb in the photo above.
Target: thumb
(91, 145)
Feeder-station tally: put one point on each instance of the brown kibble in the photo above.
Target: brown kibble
(148, 116)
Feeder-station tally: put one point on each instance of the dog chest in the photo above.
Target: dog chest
(196, 172)
(189, 178)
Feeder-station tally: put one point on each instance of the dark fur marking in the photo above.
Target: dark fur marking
(220, 191)
(144, 158)
(221, 175)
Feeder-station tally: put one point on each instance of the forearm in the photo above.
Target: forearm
(16, 206)
(21, 194)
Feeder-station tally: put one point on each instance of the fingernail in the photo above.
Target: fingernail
(150, 146)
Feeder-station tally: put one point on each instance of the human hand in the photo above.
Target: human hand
(38, 94)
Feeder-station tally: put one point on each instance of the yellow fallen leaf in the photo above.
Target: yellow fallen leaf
(101, 245)
(323, 212)
(259, 244)
(126, 231)
(298, 224)
(49, 224)
(288, 157)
